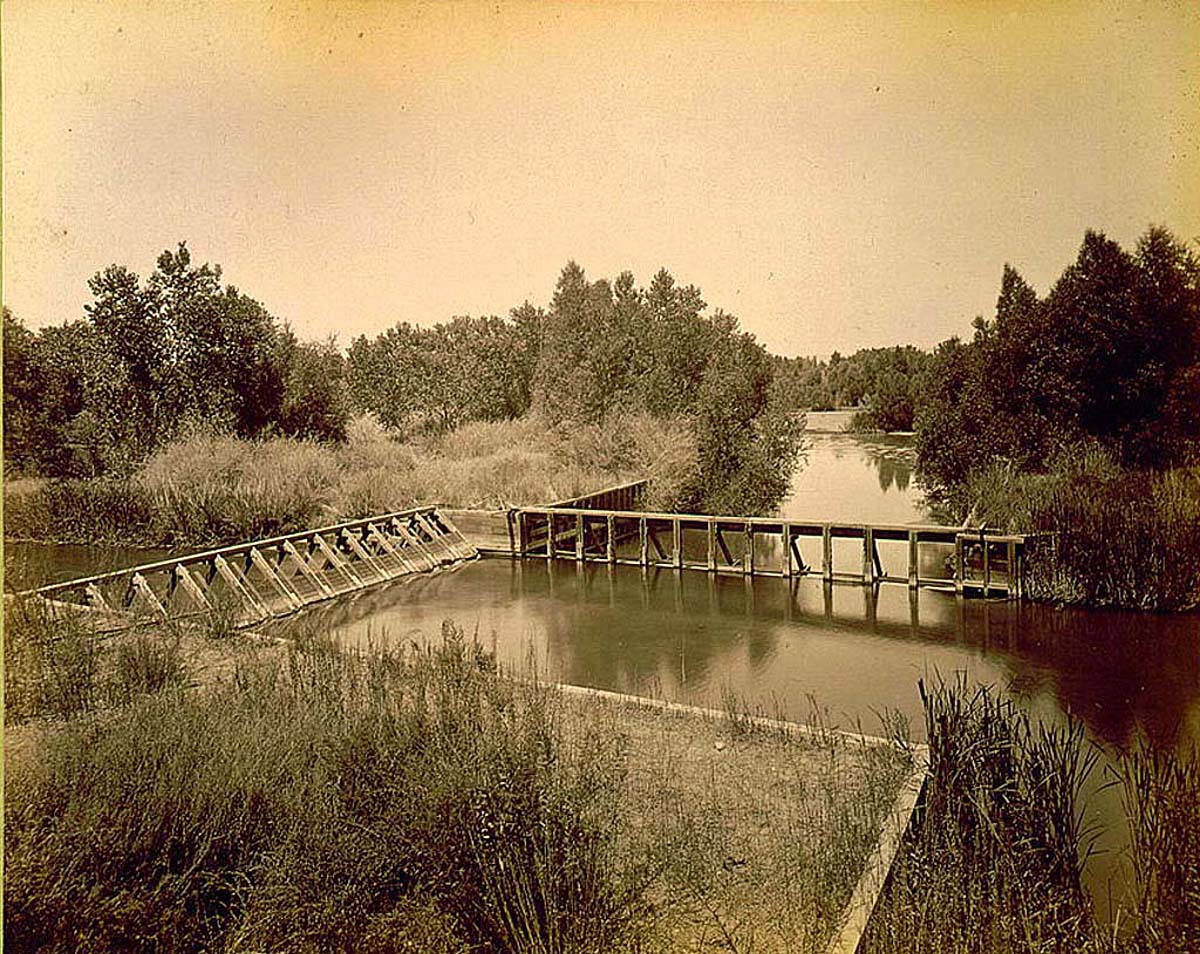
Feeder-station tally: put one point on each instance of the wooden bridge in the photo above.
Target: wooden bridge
(267, 578)
(611, 526)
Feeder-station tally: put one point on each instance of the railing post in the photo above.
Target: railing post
(827, 553)
(914, 560)
(748, 559)
(868, 566)
(645, 541)
(786, 565)
(578, 538)
(712, 546)
(959, 568)
(549, 537)
(610, 545)
(677, 542)
(987, 567)
(1011, 556)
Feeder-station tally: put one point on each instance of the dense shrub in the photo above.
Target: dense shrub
(1114, 537)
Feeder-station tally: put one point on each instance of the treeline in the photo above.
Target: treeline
(883, 382)
(151, 359)
(1109, 358)
(601, 351)
(1077, 415)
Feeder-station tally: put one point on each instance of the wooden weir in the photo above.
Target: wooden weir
(267, 578)
(981, 562)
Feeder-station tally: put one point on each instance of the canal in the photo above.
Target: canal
(792, 646)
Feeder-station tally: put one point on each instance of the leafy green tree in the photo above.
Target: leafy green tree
(315, 402)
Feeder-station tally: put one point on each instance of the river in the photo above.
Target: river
(788, 647)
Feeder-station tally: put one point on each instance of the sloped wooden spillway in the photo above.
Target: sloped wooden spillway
(267, 578)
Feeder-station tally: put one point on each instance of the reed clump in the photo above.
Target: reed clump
(1113, 538)
(325, 799)
(322, 802)
(995, 861)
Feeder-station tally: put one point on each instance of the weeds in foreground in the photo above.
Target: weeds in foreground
(1161, 792)
(56, 666)
(996, 862)
(1114, 538)
(387, 800)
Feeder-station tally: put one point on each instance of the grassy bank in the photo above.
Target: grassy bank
(995, 866)
(197, 790)
(315, 799)
(211, 490)
(1117, 538)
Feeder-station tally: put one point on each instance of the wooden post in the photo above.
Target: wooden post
(677, 542)
(1011, 556)
(827, 553)
(914, 560)
(610, 543)
(712, 546)
(959, 569)
(786, 565)
(549, 537)
(578, 538)
(645, 540)
(748, 559)
(987, 566)
(868, 566)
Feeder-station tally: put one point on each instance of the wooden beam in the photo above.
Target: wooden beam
(827, 553)
(914, 559)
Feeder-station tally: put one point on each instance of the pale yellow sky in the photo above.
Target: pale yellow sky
(838, 176)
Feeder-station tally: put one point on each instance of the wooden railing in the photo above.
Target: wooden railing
(270, 577)
(979, 561)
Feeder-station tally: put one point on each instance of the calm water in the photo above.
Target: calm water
(691, 637)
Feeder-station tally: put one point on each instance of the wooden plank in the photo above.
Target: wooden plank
(798, 557)
(142, 588)
(291, 597)
(307, 571)
(724, 549)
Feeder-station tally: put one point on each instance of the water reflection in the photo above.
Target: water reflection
(857, 477)
(858, 649)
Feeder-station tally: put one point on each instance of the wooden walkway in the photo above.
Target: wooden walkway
(975, 562)
(267, 578)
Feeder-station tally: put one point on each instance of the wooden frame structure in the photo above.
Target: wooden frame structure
(267, 578)
(984, 561)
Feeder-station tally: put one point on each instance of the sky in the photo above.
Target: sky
(836, 175)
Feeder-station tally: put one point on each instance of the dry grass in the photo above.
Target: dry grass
(324, 800)
(206, 490)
